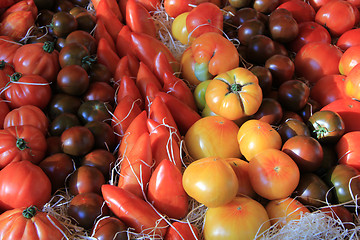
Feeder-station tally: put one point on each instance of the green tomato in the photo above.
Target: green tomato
(199, 94)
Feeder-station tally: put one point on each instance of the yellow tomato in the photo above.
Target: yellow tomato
(255, 136)
(212, 136)
(242, 218)
(210, 181)
(179, 31)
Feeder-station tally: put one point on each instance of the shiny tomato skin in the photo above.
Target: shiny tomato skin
(242, 218)
(77, 141)
(348, 149)
(16, 24)
(86, 179)
(348, 39)
(203, 178)
(220, 141)
(17, 189)
(273, 174)
(109, 228)
(182, 230)
(4, 110)
(8, 48)
(349, 60)
(300, 10)
(317, 59)
(352, 83)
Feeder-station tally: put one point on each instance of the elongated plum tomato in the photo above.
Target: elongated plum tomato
(220, 141)
(242, 218)
(210, 181)
(273, 174)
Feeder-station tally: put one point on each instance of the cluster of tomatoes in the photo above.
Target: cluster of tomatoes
(259, 124)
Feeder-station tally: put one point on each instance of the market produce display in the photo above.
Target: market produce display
(179, 119)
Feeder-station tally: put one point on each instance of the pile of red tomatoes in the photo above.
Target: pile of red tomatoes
(107, 133)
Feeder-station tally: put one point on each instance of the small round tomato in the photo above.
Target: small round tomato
(273, 174)
(348, 149)
(293, 127)
(234, 94)
(220, 141)
(86, 179)
(242, 218)
(179, 30)
(254, 136)
(203, 178)
(73, 80)
(77, 140)
(349, 60)
(348, 39)
(109, 228)
(293, 95)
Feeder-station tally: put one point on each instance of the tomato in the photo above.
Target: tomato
(86, 179)
(242, 218)
(293, 95)
(105, 12)
(57, 167)
(349, 60)
(109, 228)
(347, 149)
(282, 68)
(77, 141)
(94, 110)
(199, 94)
(317, 59)
(101, 159)
(166, 192)
(106, 55)
(203, 178)
(293, 127)
(259, 49)
(63, 103)
(100, 91)
(249, 29)
(27, 115)
(326, 126)
(29, 222)
(349, 110)
(17, 186)
(139, 19)
(348, 39)
(182, 230)
(305, 151)
(63, 23)
(254, 136)
(300, 10)
(85, 208)
(63, 122)
(273, 174)
(4, 110)
(341, 213)
(133, 211)
(16, 24)
(8, 48)
(176, 7)
(282, 211)
(234, 94)
(213, 54)
(309, 32)
(22, 143)
(328, 89)
(335, 10)
(74, 54)
(352, 82)
(39, 59)
(7, 3)
(28, 90)
(283, 26)
(270, 111)
(220, 141)
(179, 30)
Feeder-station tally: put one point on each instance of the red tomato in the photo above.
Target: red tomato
(166, 192)
(203, 178)
(139, 19)
(31, 223)
(17, 186)
(16, 24)
(206, 17)
(21, 143)
(179, 30)
(24, 5)
(4, 110)
(242, 218)
(317, 59)
(38, 59)
(8, 48)
(300, 10)
(6, 3)
(349, 110)
(352, 82)
(273, 174)
(28, 90)
(332, 12)
(133, 211)
(349, 60)
(328, 89)
(27, 115)
(309, 32)
(220, 141)
(182, 230)
(348, 149)
(348, 39)
(176, 7)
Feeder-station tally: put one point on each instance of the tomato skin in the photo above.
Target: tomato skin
(21, 143)
(27, 115)
(220, 141)
(28, 90)
(241, 218)
(133, 211)
(317, 59)
(16, 24)
(347, 149)
(234, 94)
(254, 136)
(39, 59)
(139, 19)
(179, 30)
(17, 189)
(273, 174)
(352, 82)
(203, 178)
(109, 228)
(175, 7)
(77, 141)
(186, 231)
(348, 39)
(349, 60)
(300, 10)
(8, 48)
(36, 225)
(4, 110)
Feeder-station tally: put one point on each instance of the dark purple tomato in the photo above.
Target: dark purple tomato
(63, 103)
(259, 49)
(74, 54)
(291, 128)
(84, 38)
(54, 145)
(100, 91)
(63, 122)
(99, 73)
(293, 95)
(77, 141)
(310, 108)
(101, 159)
(109, 228)
(73, 80)
(63, 6)
(283, 27)
(94, 110)
(265, 78)
(281, 67)
(63, 23)
(86, 21)
(104, 135)
(266, 6)
(244, 14)
(249, 29)
(270, 111)
(86, 179)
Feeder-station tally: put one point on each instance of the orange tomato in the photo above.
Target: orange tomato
(242, 218)
(352, 83)
(282, 211)
(349, 59)
(273, 174)
(210, 181)
(212, 136)
(255, 136)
